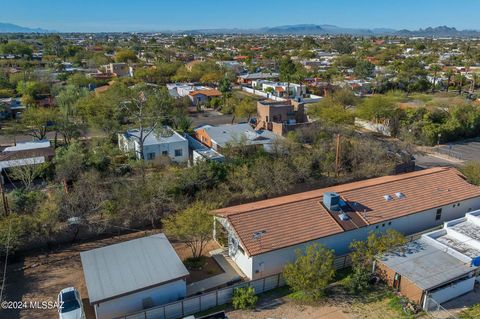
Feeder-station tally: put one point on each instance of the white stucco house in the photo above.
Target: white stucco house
(132, 276)
(163, 142)
(263, 236)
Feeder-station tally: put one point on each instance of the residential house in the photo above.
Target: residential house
(280, 117)
(438, 267)
(164, 142)
(249, 77)
(218, 137)
(280, 88)
(11, 108)
(199, 152)
(337, 215)
(119, 69)
(26, 153)
(198, 94)
(132, 276)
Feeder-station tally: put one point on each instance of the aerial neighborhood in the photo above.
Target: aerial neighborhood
(159, 170)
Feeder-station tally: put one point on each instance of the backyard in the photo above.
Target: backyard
(377, 304)
(40, 276)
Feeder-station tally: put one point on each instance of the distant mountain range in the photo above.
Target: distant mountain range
(297, 29)
(326, 29)
(13, 28)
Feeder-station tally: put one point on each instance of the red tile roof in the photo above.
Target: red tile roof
(298, 218)
(211, 92)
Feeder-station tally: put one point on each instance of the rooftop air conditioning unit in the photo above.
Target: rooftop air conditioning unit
(331, 201)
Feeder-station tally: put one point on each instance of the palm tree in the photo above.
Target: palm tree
(435, 69)
(459, 82)
(449, 75)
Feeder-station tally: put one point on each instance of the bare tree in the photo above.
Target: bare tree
(27, 171)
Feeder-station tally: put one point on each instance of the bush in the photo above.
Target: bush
(358, 280)
(194, 263)
(311, 272)
(244, 298)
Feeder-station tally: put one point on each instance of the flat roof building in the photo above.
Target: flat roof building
(133, 275)
(441, 265)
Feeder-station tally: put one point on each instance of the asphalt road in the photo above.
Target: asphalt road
(468, 150)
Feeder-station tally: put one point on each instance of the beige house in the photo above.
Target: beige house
(280, 117)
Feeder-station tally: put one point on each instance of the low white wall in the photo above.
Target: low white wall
(261, 93)
(134, 302)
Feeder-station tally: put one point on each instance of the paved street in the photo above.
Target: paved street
(466, 150)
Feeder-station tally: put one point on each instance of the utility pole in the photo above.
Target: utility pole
(337, 156)
(4, 198)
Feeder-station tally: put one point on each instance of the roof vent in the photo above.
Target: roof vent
(331, 201)
(388, 198)
(343, 216)
(400, 195)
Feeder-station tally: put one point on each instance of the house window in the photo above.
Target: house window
(383, 225)
(389, 223)
(438, 216)
(151, 156)
(164, 153)
(376, 226)
(178, 152)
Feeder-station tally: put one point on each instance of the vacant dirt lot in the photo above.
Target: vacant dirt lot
(40, 276)
(339, 306)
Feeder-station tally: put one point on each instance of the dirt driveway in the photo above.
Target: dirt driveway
(41, 276)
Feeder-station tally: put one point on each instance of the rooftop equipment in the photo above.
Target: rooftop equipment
(331, 201)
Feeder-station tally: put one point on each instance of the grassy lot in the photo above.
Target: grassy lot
(470, 313)
(378, 303)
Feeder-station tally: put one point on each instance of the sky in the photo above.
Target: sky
(159, 15)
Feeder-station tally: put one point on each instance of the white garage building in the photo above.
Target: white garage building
(264, 235)
(134, 275)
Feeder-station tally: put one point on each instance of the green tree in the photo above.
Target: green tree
(364, 69)
(311, 272)
(69, 163)
(125, 56)
(471, 170)
(244, 298)
(28, 172)
(435, 68)
(245, 107)
(364, 253)
(68, 124)
(287, 71)
(225, 87)
(38, 121)
(17, 48)
(194, 226)
(377, 108)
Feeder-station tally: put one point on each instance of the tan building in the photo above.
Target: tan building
(280, 117)
(119, 69)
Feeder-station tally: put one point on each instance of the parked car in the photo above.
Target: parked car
(70, 304)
